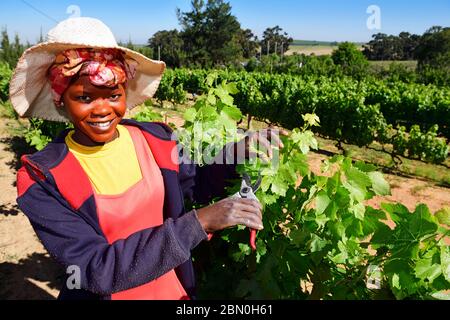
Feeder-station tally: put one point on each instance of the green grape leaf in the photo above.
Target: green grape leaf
(371, 222)
(243, 251)
(207, 113)
(316, 244)
(338, 230)
(299, 163)
(358, 210)
(401, 277)
(396, 211)
(355, 229)
(210, 79)
(422, 223)
(443, 216)
(261, 250)
(379, 184)
(445, 262)
(331, 210)
(321, 220)
(428, 268)
(341, 256)
(311, 119)
(395, 281)
(298, 237)
(224, 97)
(305, 141)
(382, 236)
(365, 167)
(356, 192)
(279, 186)
(225, 121)
(322, 202)
(266, 182)
(190, 115)
(211, 99)
(357, 177)
(231, 88)
(233, 112)
(288, 174)
(269, 199)
(342, 196)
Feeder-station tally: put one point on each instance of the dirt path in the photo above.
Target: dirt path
(26, 270)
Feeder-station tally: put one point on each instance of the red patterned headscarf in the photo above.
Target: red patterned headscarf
(105, 67)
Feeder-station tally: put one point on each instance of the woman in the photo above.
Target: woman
(107, 197)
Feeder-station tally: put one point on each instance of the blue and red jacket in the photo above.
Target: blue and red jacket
(55, 194)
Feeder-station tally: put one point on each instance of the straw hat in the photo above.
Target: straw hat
(30, 91)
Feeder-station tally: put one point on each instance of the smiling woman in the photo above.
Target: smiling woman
(108, 196)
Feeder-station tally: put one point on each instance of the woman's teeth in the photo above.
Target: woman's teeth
(101, 124)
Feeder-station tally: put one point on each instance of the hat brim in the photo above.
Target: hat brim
(30, 90)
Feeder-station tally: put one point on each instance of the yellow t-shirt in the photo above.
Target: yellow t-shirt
(112, 168)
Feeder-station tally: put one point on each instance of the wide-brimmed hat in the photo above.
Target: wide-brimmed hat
(30, 90)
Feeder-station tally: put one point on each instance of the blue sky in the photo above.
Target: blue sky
(325, 20)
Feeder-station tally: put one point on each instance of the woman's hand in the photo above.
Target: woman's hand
(231, 212)
(264, 140)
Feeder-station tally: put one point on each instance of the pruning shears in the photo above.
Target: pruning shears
(248, 191)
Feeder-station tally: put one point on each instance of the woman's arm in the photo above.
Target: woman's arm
(201, 184)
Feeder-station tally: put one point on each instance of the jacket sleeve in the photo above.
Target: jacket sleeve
(107, 268)
(201, 184)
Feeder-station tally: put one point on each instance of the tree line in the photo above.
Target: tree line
(211, 36)
(433, 47)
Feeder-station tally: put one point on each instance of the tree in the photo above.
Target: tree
(275, 41)
(146, 51)
(10, 52)
(390, 47)
(223, 31)
(351, 59)
(193, 32)
(248, 42)
(210, 33)
(434, 48)
(170, 46)
(433, 55)
(408, 44)
(41, 37)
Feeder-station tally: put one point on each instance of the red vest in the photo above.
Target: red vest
(139, 208)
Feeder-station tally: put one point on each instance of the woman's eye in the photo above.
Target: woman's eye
(115, 97)
(84, 99)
